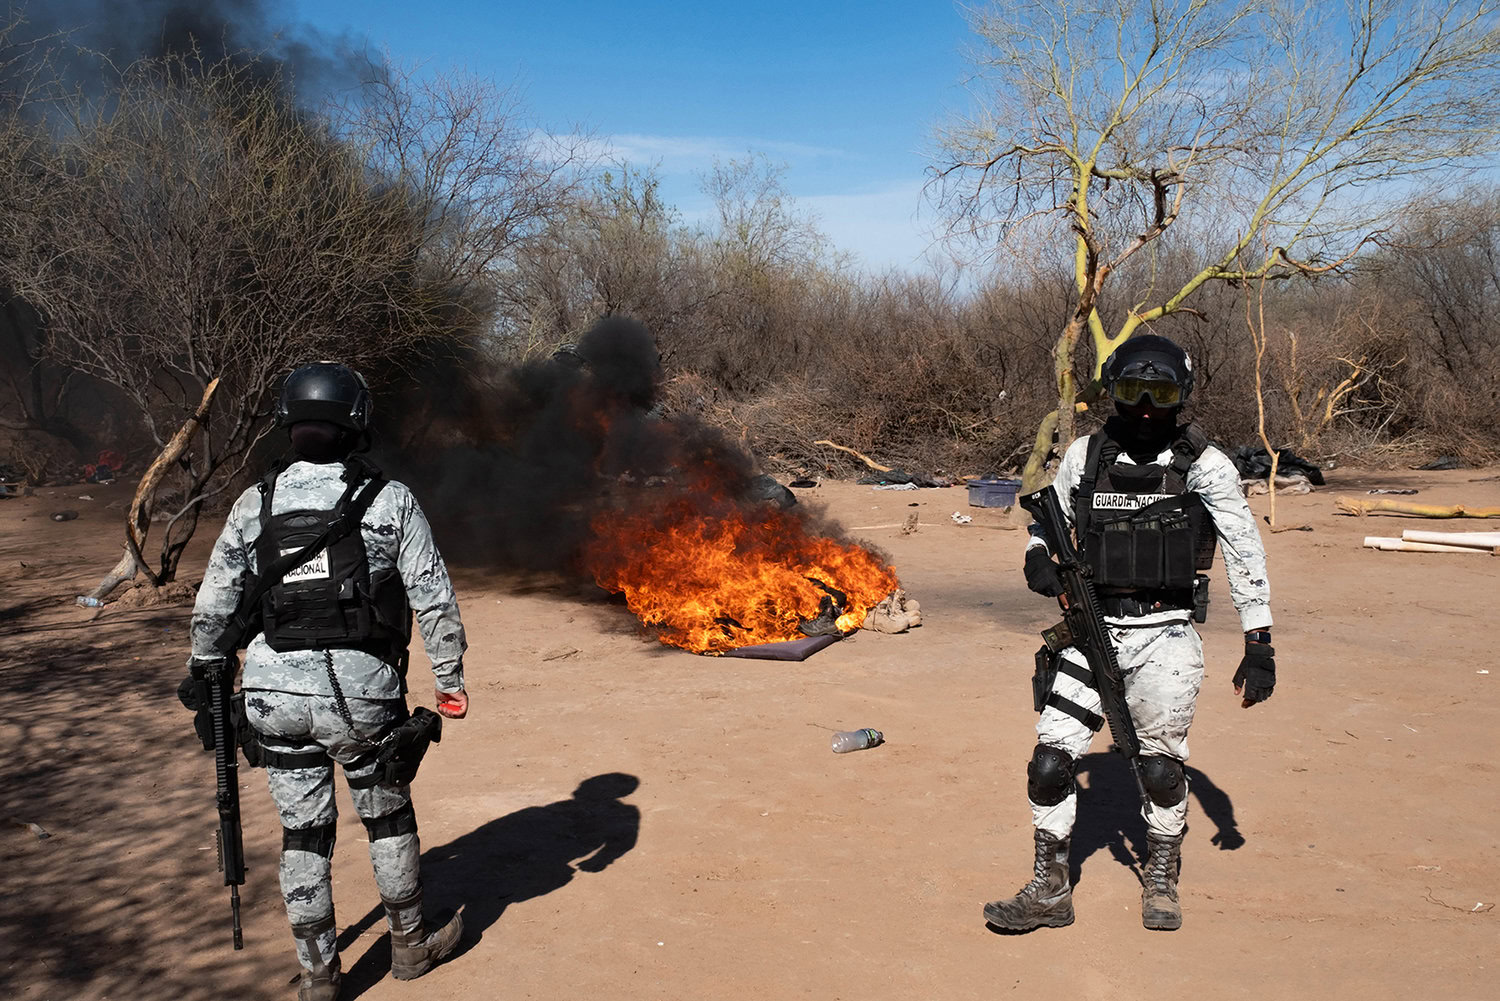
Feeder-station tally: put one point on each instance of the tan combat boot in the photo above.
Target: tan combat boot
(1046, 901)
(321, 976)
(415, 948)
(1160, 909)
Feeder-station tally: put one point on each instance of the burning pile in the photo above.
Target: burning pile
(563, 465)
(710, 573)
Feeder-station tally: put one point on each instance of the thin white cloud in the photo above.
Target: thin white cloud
(686, 154)
(889, 226)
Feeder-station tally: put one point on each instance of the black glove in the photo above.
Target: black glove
(193, 694)
(1041, 573)
(1256, 678)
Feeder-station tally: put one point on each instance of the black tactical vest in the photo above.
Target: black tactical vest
(331, 601)
(1138, 526)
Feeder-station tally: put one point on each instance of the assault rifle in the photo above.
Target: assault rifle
(1083, 627)
(214, 684)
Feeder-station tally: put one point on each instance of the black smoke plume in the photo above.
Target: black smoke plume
(250, 34)
(514, 464)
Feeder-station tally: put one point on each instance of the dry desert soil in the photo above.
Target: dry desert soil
(624, 821)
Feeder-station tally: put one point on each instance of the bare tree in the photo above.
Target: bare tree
(1257, 124)
(199, 229)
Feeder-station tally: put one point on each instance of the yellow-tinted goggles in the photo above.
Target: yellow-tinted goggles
(1163, 393)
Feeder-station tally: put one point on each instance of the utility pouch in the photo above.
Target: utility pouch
(1109, 549)
(244, 734)
(1179, 552)
(402, 750)
(1043, 678)
(1200, 599)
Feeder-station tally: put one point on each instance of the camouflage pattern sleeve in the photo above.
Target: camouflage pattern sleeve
(1214, 479)
(1065, 482)
(430, 592)
(223, 578)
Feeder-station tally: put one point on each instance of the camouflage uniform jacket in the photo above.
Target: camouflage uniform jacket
(396, 534)
(1215, 480)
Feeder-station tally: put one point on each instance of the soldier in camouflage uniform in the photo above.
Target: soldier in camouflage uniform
(1105, 482)
(324, 680)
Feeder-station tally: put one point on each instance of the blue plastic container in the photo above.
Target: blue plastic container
(993, 492)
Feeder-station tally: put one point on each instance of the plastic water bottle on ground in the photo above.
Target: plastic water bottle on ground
(856, 740)
(88, 602)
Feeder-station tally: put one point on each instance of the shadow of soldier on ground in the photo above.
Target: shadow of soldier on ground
(513, 858)
(1109, 812)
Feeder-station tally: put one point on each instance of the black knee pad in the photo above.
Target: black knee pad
(318, 840)
(402, 820)
(1164, 779)
(1049, 776)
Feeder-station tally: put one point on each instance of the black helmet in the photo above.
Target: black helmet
(325, 391)
(1149, 366)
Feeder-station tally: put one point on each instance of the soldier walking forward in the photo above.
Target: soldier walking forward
(1147, 500)
(324, 677)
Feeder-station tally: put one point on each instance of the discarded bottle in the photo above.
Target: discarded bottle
(856, 740)
(88, 602)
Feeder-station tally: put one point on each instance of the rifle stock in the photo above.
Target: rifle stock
(1085, 620)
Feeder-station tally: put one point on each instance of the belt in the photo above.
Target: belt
(1147, 602)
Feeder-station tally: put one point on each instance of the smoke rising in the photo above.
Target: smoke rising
(513, 465)
(247, 33)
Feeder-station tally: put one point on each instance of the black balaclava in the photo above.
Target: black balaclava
(1144, 430)
(321, 441)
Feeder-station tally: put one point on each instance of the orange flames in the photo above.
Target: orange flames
(710, 575)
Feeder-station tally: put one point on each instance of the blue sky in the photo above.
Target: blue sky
(845, 94)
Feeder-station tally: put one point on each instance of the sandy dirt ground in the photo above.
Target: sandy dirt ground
(625, 821)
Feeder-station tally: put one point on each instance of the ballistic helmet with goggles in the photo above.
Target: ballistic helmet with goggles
(1148, 367)
(325, 391)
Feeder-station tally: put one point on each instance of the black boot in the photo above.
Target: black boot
(416, 948)
(1160, 909)
(1046, 901)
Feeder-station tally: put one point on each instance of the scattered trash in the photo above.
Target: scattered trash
(64, 515)
(797, 650)
(895, 486)
(803, 484)
(1254, 463)
(765, 488)
(37, 829)
(1390, 490)
(1296, 484)
(896, 613)
(104, 471)
(961, 519)
(85, 497)
(899, 478)
(856, 740)
(1351, 505)
(1482, 671)
(1443, 462)
(88, 602)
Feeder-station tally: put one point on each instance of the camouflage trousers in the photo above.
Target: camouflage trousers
(1163, 669)
(303, 736)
